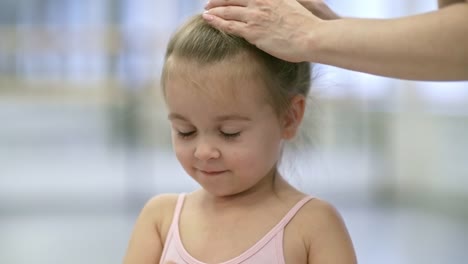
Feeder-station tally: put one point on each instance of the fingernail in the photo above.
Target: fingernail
(207, 5)
(207, 16)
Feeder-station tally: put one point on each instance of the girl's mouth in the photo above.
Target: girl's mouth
(212, 173)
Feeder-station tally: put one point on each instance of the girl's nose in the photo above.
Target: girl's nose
(205, 151)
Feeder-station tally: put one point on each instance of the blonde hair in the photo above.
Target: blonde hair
(198, 41)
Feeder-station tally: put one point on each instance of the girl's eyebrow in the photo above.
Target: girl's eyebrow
(233, 117)
(173, 116)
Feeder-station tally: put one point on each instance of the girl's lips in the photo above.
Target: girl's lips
(212, 173)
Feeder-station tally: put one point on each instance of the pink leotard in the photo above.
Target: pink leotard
(268, 250)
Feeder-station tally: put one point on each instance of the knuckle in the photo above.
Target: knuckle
(259, 2)
(254, 16)
(227, 2)
(259, 17)
(227, 12)
(230, 27)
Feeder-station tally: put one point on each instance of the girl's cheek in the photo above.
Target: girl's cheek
(180, 150)
(239, 156)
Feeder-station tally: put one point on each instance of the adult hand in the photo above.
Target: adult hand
(320, 9)
(279, 27)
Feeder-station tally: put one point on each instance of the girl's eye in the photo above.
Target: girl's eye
(230, 135)
(185, 134)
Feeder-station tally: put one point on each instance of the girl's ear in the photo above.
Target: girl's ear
(293, 116)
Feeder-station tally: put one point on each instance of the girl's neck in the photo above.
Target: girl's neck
(271, 186)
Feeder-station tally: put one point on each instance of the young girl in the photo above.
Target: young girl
(231, 107)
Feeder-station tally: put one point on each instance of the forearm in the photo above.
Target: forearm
(431, 46)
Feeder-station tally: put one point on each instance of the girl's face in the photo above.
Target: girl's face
(224, 133)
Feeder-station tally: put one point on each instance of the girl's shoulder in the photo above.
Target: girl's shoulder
(146, 242)
(162, 202)
(324, 231)
(160, 210)
(314, 210)
(318, 211)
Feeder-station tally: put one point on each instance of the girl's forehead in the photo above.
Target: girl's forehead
(229, 78)
(233, 67)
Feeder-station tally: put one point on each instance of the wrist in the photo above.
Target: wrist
(315, 42)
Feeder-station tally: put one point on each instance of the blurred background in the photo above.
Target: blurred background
(84, 140)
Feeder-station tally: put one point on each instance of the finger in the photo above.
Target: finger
(229, 26)
(218, 3)
(319, 9)
(235, 13)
